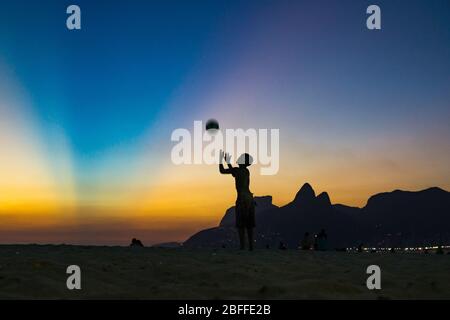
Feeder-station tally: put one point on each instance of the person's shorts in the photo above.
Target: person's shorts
(245, 211)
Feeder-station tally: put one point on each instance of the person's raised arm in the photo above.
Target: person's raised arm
(227, 158)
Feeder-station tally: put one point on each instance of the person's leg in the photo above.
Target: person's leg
(241, 232)
(250, 223)
(250, 238)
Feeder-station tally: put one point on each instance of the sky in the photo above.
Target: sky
(86, 115)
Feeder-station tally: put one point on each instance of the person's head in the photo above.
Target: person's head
(244, 160)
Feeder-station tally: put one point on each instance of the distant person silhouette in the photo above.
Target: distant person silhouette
(322, 240)
(245, 206)
(305, 244)
(136, 243)
(360, 247)
(282, 246)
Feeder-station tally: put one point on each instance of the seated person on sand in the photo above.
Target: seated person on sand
(245, 206)
(136, 243)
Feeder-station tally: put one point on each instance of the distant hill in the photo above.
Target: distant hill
(167, 245)
(408, 218)
(225, 234)
(262, 204)
(398, 218)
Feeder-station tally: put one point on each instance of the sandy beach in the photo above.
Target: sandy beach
(39, 272)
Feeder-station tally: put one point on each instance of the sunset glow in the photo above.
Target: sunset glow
(86, 118)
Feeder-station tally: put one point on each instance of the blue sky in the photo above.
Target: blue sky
(106, 83)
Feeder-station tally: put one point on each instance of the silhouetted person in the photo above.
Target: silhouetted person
(322, 240)
(136, 243)
(245, 206)
(282, 246)
(360, 247)
(439, 250)
(305, 244)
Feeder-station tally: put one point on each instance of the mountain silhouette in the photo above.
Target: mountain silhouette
(397, 218)
(408, 218)
(225, 234)
(305, 195)
(262, 204)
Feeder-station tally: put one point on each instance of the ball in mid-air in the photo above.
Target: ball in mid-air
(212, 126)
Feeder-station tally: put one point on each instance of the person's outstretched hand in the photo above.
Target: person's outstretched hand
(227, 158)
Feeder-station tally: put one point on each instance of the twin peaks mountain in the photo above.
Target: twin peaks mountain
(397, 218)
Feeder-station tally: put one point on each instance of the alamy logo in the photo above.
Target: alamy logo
(203, 146)
(74, 280)
(374, 280)
(374, 20)
(73, 21)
